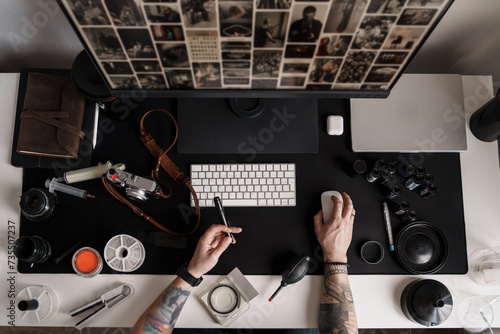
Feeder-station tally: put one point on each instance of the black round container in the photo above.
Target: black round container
(38, 204)
(32, 249)
(426, 302)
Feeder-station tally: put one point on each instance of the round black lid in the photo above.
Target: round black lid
(427, 302)
(421, 248)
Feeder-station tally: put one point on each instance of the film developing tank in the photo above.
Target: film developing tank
(38, 205)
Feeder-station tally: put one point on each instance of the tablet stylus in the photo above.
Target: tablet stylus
(222, 215)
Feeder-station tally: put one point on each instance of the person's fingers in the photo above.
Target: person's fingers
(318, 222)
(235, 229)
(348, 206)
(221, 247)
(337, 208)
(213, 231)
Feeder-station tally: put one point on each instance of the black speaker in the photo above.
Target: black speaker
(485, 122)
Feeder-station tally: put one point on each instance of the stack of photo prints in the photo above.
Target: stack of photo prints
(252, 44)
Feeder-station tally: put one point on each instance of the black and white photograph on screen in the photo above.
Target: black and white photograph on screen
(124, 82)
(295, 68)
(207, 75)
(381, 73)
(385, 6)
(117, 67)
(274, 4)
(425, 3)
(179, 79)
(236, 73)
(346, 86)
(345, 15)
(266, 63)
(403, 38)
(236, 64)
(391, 58)
(152, 81)
(203, 45)
(159, 0)
(236, 81)
(167, 33)
(293, 81)
(307, 22)
(163, 13)
(417, 17)
(372, 32)
(88, 12)
(105, 43)
(264, 83)
(235, 18)
(173, 54)
(137, 43)
(235, 45)
(126, 12)
(355, 66)
(270, 29)
(334, 45)
(374, 87)
(228, 55)
(146, 66)
(299, 51)
(199, 13)
(324, 70)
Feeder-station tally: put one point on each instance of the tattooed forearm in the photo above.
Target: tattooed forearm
(162, 318)
(337, 313)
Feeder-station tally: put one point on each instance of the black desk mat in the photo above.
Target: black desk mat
(270, 235)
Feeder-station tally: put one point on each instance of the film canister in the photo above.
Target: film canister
(402, 208)
(358, 167)
(420, 170)
(427, 180)
(428, 191)
(394, 191)
(381, 164)
(392, 167)
(406, 171)
(373, 175)
(414, 182)
(410, 216)
(385, 176)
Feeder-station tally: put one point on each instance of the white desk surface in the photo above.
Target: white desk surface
(376, 296)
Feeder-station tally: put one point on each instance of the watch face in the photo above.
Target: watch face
(223, 299)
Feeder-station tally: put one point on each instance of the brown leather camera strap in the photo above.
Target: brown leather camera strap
(162, 161)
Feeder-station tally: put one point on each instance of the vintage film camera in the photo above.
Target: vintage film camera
(136, 187)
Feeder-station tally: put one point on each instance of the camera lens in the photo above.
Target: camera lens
(33, 249)
(38, 204)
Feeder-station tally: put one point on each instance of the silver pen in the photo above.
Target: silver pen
(222, 215)
(388, 226)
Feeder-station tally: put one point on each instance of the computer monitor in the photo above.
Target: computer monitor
(260, 49)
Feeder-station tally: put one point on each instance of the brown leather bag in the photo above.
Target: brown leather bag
(52, 117)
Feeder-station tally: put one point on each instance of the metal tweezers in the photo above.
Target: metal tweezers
(105, 301)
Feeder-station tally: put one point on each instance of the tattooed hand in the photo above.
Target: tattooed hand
(210, 247)
(335, 235)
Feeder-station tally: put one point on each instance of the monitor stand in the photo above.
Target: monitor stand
(247, 126)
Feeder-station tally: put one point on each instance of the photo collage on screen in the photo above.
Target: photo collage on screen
(252, 44)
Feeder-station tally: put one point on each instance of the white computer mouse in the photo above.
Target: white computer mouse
(327, 203)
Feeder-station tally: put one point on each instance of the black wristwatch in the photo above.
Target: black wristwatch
(187, 277)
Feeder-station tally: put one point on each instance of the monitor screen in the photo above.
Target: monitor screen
(347, 48)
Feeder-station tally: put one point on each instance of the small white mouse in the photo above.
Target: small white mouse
(327, 203)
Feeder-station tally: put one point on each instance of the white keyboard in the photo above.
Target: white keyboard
(244, 184)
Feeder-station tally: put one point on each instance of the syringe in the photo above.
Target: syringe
(53, 185)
